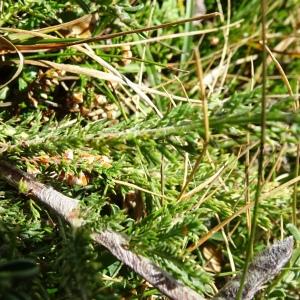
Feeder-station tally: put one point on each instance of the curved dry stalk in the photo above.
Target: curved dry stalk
(7, 43)
(61, 45)
(116, 243)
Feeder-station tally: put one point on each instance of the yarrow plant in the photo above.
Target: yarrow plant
(137, 159)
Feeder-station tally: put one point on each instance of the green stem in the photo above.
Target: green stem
(295, 194)
(112, 135)
(187, 28)
(261, 154)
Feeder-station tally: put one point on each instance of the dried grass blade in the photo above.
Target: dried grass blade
(10, 45)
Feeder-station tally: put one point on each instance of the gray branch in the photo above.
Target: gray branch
(264, 267)
(118, 246)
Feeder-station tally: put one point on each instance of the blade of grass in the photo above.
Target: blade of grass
(260, 177)
(189, 6)
(56, 45)
(202, 95)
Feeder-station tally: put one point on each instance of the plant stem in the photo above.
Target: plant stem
(260, 177)
(295, 194)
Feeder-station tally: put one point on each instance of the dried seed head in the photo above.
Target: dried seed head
(77, 97)
(100, 99)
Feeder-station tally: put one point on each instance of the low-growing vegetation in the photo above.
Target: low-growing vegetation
(179, 132)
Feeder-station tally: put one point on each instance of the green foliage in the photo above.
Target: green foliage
(128, 171)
